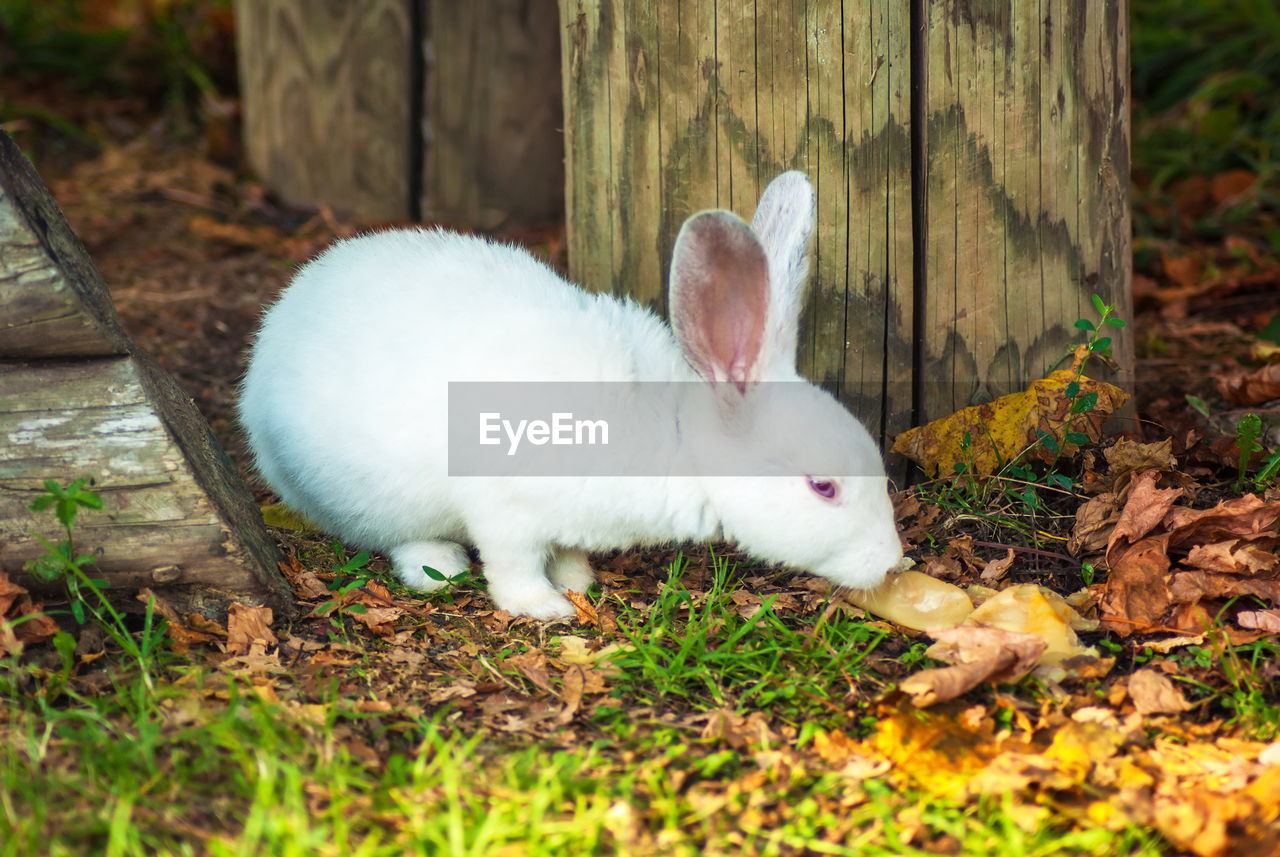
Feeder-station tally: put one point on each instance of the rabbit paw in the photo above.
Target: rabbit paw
(570, 570)
(447, 558)
(543, 603)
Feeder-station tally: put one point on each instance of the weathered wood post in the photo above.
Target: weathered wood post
(399, 109)
(78, 400)
(970, 161)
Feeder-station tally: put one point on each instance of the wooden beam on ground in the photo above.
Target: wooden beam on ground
(177, 516)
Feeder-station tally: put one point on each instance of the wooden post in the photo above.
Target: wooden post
(1026, 189)
(328, 101)
(970, 162)
(400, 109)
(672, 108)
(77, 400)
(494, 149)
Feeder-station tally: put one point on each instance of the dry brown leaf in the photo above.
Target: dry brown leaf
(1095, 520)
(22, 621)
(977, 654)
(533, 666)
(1145, 509)
(180, 634)
(1256, 556)
(1231, 184)
(1154, 693)
(1137, 590)
(1251, 387)
(997, 568)
(248, 629)
(737, 730)
(1126, 457)
(1267, 621)
(999, 431)
(1191, 587)
(1244, 517)
(381, 621)
(575, 683)
(306, 585)
(587, 614)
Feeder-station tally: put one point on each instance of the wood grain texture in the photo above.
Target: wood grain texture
(676, 107)
(1027, 190)
(327, 89)
(176, 517)
(494, 147)
(53, 303)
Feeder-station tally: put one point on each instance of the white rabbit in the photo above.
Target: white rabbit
(345, 404)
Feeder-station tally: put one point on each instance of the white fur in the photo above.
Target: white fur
(344, 403)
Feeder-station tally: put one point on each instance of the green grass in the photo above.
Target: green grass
(205, 762)
(701, 651)
(245, 776)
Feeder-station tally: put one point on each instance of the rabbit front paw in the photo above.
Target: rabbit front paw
(446, 559)
(542, 603)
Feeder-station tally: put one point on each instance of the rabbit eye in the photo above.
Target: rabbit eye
(824, 488)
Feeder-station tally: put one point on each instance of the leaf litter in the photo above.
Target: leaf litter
(1106, 742)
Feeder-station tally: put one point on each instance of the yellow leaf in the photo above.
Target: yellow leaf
(282, 517)
(999, 431)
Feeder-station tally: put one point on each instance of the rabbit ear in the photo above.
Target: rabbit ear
(719, 297)
(784, 224)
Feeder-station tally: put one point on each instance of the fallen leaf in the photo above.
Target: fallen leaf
(1231, 184)
(1095, 521)
(285, 518)
(1145, 509)
(982, 438)
(997, 568)
(1154, 693)
(1137, 590)
(248, 629)
(1168, 644)
(587, 614)
(1026, 609)
(914, 600)
(1126, 457)
(575, 682)
(1262, 620)
(22, 621)
(533, 666)
(304, 582)
(182, 636)
(381, 621)
(977, 654)
(1251, 387)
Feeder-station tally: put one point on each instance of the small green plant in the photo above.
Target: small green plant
(1088, 573)
(1248, 431)
(86, 596)
(1248, 443)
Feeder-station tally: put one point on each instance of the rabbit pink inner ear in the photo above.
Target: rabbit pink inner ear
(720, 297)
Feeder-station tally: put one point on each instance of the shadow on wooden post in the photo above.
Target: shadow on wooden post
(970, 161)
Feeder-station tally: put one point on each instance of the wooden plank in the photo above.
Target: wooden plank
(743, 93)
(494, 149)
(176, 516)
(1026, 177)
(328, 104)
(53, 303)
